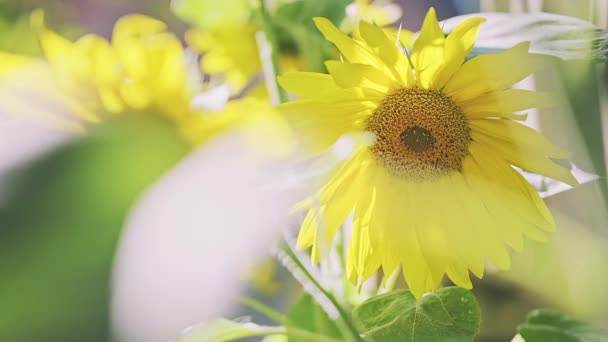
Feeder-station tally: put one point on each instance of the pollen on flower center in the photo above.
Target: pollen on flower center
(420, 134)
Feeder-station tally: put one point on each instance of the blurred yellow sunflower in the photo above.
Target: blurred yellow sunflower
(436, 192)
(231, 51)
(379, 12)
(143, 70)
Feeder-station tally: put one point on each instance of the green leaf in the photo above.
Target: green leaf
(307, 315)
(223, 330)
(582, 88)
(60, 225)
(551, 34)
(209, 14)
(553, 326)
(449, 314)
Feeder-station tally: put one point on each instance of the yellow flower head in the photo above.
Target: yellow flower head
(436, 192)
(143, 70)
(379, 12)
(230, 51)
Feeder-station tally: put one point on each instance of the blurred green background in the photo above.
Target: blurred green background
(61, 216)
(59, 224)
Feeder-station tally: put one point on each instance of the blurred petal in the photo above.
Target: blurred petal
(27, 96)
(10, 62)
(191, 237)
(566, 37)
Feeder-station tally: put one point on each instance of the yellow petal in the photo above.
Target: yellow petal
(505, 101)
(101, 60)
(401, 37)
(320, 123)
(514, 210)
(403, 242)
(541, 206)
(54, 46)
(485, 195)
(215, 62)
(526, 139)
(428, 54)
(458, 45)
(10, 62)
(459, 274)
(490, 217)
(458, 204)
(431, 226)
(110, 100)
(133, 59)
(361, 259)
(491, 72)
(171, 73)
(349, 75)
(379, 219)
(503, 185)
(136, 25)
(523, 147)
(308, 84)
(199, 40)
(354, 51)
(338, 204)
(344, 174)
(136, 95)
(224, 48)
(393, 58)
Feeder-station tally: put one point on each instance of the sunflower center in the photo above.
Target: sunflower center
(420, 134)
(417, 138)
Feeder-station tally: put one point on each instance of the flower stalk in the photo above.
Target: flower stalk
(269, 54)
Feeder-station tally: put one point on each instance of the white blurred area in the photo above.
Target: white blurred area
(27, 96)
(22, 142)
(190, 244)
(194, 236)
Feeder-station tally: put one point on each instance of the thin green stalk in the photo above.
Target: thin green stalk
(282, 319)
(264, 309)
(345, 324)
(390, 281)
(341, 251)
(306, 335)
(273, 46)
(341, 248)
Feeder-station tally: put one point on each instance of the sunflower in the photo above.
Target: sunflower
(380, 12)
(436, 191)
(142, 71)
(230, 51)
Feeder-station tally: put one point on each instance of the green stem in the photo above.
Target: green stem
(264, 309)
(390, 281)
(273, 46)
(346, 325)
(306, 335)
(278, 317)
